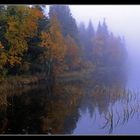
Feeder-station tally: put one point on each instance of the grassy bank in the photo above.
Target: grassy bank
(11, 84)
(21, 80)
(81, 75)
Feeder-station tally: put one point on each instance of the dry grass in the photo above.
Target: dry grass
(10, 85)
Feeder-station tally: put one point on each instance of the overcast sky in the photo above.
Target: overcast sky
(123, 20)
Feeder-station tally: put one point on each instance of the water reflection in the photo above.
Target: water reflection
(36, 111)
(106, 108)
(100, 105)
(114, 106)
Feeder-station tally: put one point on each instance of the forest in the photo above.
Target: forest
(64, 75)
(32, 43)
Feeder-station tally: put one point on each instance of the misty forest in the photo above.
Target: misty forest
(60, 76)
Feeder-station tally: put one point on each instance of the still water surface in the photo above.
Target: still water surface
(107, 103)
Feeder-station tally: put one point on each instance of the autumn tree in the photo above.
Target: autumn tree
(108, 50)
(21, 28)
(83, 40)
(59, 47)
(101, 48)
(35, 49)
(21, 25)
(31, 42)
(55, 44)
(87, 35)
(72, 54)
(68, 24)
(100, 43)
(90, 35)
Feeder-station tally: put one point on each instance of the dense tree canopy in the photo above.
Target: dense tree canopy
(67, 22)
(31, 42)
(102, 47)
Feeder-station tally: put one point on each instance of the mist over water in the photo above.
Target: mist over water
(133, 66)
(121, 20)
(96, 94)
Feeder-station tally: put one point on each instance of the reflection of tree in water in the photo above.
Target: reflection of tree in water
(63, 113)
(100, 97)
(55, 110)
(120, 114)
(24, 114)
(37, 111)
(115, 104)
(101, 93)
(104, 92)
(3, 120)
(110, 77)
(20, 107)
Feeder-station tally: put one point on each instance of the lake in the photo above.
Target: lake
(107, 103)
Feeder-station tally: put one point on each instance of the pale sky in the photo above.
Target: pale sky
(122, 20)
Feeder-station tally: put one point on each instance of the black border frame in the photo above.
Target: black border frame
(71, 2)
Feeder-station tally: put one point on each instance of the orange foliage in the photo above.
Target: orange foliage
(21, 27)
(3, 56)
(56, 47)
(72, 52)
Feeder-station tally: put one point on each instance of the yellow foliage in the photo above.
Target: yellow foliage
(73, 52)
(3, 55)
(20, 27)
(14, 60)
(46, 40)
(55, 43)
(35, 13)
(3, 58)
(1, 46)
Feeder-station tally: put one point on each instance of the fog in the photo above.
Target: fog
(122, 20)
